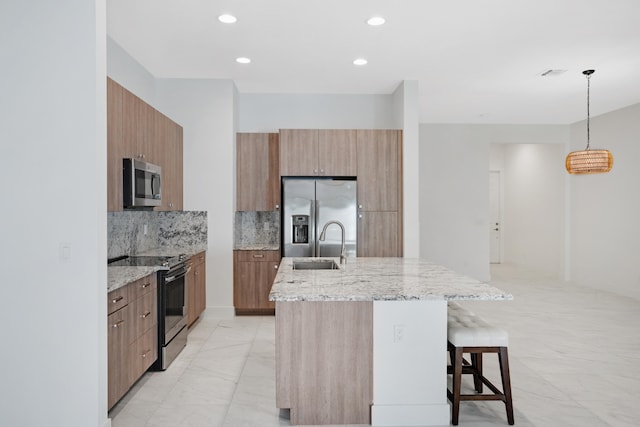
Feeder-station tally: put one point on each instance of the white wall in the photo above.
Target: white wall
(454, 189)
(533, 222)
(205, 109)
(270, 112)
(128, 72)
(407, 117)
(54, 235)
(605, 208)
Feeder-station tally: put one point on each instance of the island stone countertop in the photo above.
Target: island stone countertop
(378, 279)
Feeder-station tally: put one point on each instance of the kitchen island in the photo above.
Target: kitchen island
(366, 343)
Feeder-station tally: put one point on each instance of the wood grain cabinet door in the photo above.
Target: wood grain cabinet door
(118, 343)
(169, 141)
(299, 152)
(337, 151)
(137, 130)
(378, 234)
(115, 146)
(257, 172)
(378, 160)
(253, 276)
(201, 283)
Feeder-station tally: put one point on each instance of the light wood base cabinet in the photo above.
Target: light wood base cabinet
(132, 336)
(119, 324)
(196, 288)
(253, 276)
(324, 361)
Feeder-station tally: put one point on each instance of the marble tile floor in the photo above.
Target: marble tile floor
(573, 353)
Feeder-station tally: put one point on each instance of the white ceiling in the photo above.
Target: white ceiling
(477, 61)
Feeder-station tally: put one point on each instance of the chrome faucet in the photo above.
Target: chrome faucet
(343, 253)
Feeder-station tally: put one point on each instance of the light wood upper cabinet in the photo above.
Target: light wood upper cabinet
(257, 172)
(313, 152)
(169, 136)
(337, 153)
(379, 155)
(298, 152)
(115, 145)
(137, 130)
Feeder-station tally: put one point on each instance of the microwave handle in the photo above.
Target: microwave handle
(155, 186)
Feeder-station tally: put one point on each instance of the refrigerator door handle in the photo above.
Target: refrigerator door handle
(315, 208)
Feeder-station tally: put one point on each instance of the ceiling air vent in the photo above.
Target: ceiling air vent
(551, 73)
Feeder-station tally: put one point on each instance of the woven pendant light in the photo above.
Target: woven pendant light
(588, 160)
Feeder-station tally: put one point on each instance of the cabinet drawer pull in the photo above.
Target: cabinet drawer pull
(145, 285)
(118, 299)
(258, 256)
(118, 324)
(144, 316)
(144, 355)
(275, 266)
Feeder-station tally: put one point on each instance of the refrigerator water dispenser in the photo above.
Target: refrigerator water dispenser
(300, 228)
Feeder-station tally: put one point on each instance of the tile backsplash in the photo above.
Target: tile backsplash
(132, 232)
(257, 228)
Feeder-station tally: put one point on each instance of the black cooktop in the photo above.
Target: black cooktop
(145, 261)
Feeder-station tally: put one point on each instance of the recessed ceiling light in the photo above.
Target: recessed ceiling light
(360, 61)
(374, 21)
(227, 19)
(243, 60)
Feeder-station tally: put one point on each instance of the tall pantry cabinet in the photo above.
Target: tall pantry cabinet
(379, 193)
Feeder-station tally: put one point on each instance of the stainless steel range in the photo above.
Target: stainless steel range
(172, 309)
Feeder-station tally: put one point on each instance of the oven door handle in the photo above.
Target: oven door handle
(181, 273)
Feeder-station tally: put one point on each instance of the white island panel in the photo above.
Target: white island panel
(409, 363)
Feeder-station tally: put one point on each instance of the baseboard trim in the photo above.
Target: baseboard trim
(219, 312)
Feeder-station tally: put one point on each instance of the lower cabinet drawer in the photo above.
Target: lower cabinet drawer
(144, 351)
(145, 313)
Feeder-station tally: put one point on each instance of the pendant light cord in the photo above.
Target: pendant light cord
(588, 74)
(588, 113)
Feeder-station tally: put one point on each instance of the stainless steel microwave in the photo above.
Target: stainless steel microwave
(142, 184)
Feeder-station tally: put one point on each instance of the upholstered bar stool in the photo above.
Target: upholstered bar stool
(468, 333)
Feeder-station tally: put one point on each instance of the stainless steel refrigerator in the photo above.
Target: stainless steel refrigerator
(308, 204)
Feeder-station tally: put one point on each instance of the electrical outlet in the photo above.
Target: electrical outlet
(398, 333)
(265, 227)
(145, 229)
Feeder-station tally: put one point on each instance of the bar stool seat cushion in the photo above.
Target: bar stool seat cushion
(464, 329)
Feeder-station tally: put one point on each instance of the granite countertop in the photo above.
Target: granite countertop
(379, 279)
(121, 276)
(189, 251)
(256, 247)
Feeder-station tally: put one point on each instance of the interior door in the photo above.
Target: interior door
(495, 224)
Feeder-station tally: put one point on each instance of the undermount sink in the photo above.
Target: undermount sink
(324, 264)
